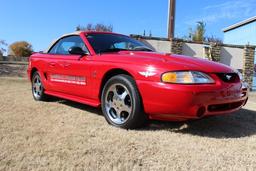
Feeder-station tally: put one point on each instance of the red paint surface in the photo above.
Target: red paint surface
(160, 100)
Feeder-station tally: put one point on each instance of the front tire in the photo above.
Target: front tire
(122, 104)
(38, 88)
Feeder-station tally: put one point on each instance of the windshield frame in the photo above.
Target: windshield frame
(142, 46)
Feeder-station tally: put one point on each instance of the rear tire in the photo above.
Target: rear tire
(121, 103)
(38, 88)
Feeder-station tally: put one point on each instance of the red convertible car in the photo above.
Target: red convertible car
(131, 82)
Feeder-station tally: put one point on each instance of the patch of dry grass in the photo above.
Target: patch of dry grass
(63, 135)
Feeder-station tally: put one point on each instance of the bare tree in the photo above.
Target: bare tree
(213, 39)
(3, 44)
(96, 27)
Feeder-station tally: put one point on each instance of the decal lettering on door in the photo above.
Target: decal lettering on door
(79, 80)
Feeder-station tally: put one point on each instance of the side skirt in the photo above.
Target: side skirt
(90, 102)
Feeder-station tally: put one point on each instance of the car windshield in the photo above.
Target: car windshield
(103, 43)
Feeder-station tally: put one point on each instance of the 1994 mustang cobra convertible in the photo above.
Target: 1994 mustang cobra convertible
(131, 82)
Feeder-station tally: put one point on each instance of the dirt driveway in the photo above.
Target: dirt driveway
(63, 135)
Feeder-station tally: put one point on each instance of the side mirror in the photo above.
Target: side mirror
(76, 51)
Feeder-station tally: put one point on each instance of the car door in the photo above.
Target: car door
(68, 73)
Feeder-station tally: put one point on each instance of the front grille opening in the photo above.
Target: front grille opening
(229, 77)
(243, 94)
(224, 107)
(201, 111)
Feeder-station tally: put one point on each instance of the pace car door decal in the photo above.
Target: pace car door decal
(79, 80)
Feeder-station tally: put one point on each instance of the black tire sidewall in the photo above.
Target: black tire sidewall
(129, 83)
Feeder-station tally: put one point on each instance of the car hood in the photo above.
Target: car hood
(167, 61)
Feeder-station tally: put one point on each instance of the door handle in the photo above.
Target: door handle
(65, 64)
(52, 64)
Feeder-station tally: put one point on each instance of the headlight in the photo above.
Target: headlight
(187, 77)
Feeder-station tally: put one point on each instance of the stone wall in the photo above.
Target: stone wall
(160, 45)
(248, 69)
(13, 58)
(215, 52)
(176, 46)
(195, 49)
(232, 56)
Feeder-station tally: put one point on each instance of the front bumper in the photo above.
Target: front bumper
(181, 102)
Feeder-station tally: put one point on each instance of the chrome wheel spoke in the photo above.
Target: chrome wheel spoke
(38, 81)
(118, 114)
(115, 97)
(126, 108)
(117, 103)
(123, 95)
(109, 104)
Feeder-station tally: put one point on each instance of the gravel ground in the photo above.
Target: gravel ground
(63, 135)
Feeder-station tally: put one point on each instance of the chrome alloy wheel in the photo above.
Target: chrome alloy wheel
(118, 103)
(37, 87)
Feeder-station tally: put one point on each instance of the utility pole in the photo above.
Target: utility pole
(171, 18)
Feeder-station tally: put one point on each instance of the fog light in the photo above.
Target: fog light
(201, 112)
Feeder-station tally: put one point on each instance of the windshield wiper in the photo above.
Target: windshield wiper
(138, 48)
(112, 50)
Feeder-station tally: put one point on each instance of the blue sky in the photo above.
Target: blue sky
(39, 22)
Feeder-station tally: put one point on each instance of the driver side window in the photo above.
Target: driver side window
(64, 44)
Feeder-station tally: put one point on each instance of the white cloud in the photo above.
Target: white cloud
(231, 9)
